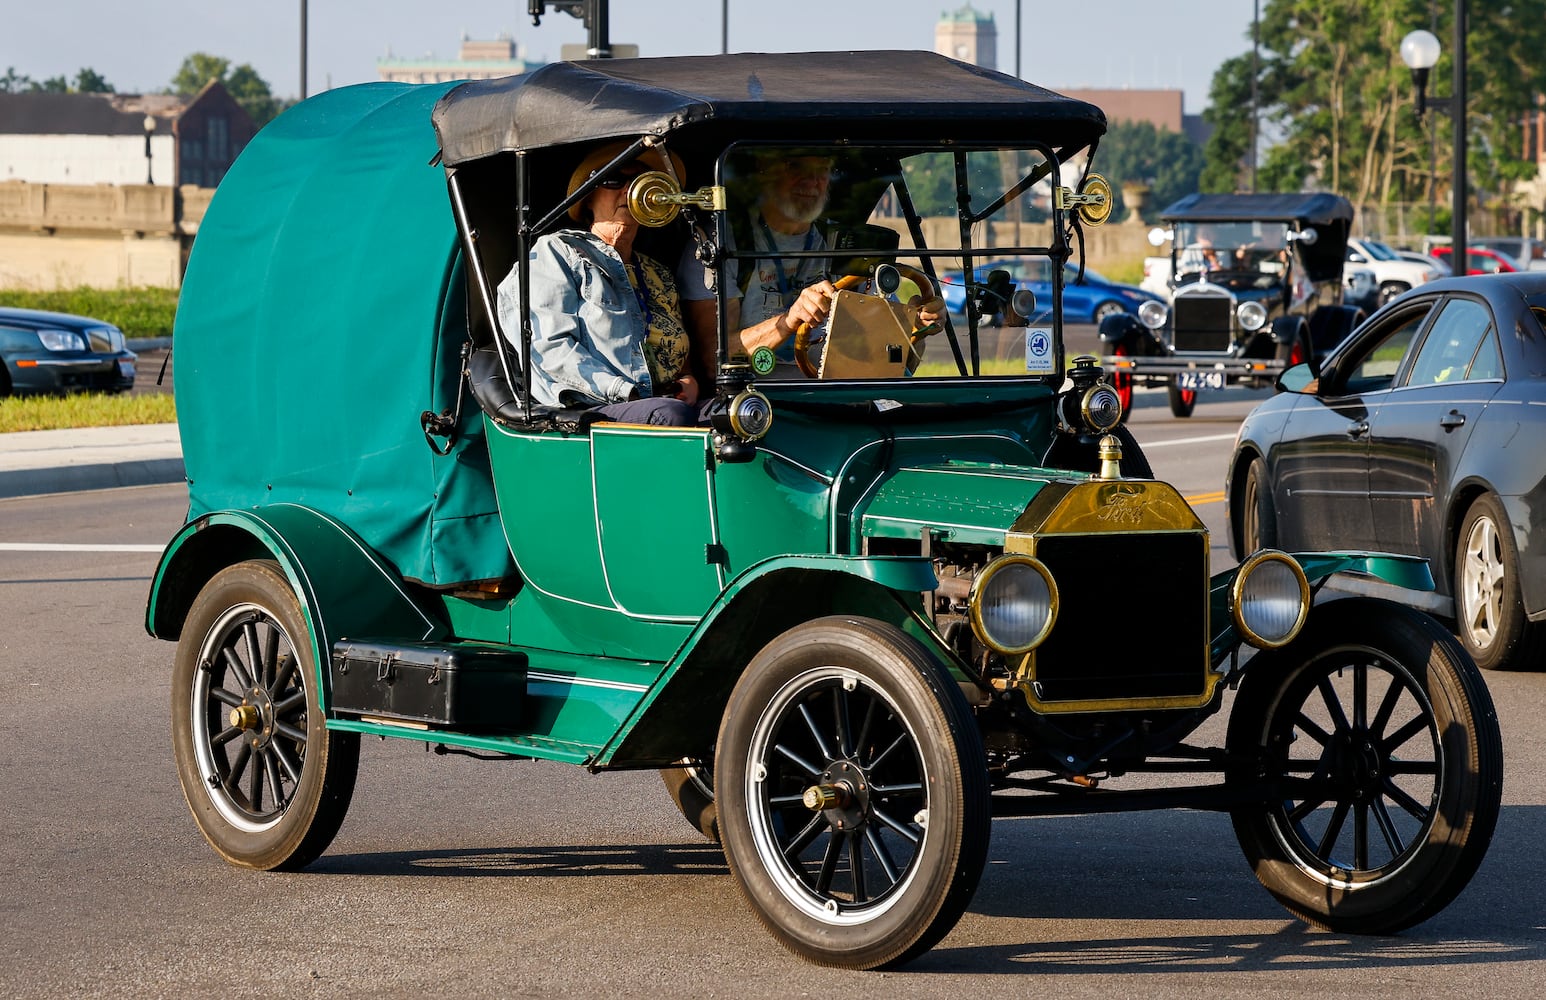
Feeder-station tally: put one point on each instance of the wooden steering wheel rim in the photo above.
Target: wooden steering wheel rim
(802, 334)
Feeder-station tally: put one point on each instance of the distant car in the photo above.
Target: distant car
(1421, 434)
(1393, 274)
(1530, 253)
(1361, 288)
(1087, 300)
(1417, 256)
(1258, 285)
(1480, 260)
(47, 352)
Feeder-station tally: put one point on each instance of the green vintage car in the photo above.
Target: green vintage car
(865, 612)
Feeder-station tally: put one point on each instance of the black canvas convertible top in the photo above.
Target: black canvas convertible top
(849, 95)
(1314, 209)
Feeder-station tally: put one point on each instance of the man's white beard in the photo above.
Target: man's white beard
(794, 208)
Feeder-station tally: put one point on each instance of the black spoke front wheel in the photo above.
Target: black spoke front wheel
(853, 793)
(1378, 735)
(267, 783)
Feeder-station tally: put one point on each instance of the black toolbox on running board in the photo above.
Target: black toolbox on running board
(459, 686)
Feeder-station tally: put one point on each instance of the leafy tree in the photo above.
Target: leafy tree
(14, 83)
(252, 93)
(1228, 148)
(249, 89)
(89, 81)
(53, 85)
(197, 70)
(1169, 162)
(1336, 94)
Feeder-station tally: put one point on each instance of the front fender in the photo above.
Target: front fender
(1407, 572)
(344, 588)
(679, 716)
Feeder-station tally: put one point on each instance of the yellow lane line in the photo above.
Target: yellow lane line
(1201, 498)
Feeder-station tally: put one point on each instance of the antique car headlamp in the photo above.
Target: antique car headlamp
(1153, 314)
(1252, 315)
(1101, 408)
(1013, 604)
(1270, 599)
(751, 415)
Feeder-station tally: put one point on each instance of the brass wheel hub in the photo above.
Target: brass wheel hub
(843, 795)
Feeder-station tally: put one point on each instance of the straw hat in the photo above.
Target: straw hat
(597, 158)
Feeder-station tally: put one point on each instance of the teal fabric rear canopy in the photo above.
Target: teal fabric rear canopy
(322, 311)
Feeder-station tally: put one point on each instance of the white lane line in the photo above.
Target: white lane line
(1146, 445)
(71, 547)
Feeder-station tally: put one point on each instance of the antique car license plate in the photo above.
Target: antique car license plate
(1200, 379)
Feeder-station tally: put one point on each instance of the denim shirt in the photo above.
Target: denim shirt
(587, 328)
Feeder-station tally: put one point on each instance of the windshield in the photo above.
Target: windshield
(1231, 246)
(1380, 251)
(885, 225)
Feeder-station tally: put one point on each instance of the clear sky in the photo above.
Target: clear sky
(138, 44)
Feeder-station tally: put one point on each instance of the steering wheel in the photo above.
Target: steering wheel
(802, 334)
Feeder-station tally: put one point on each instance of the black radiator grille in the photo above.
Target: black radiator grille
(1202, 323)
(1132, 616)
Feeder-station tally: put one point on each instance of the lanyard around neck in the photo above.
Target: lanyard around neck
(811, 237)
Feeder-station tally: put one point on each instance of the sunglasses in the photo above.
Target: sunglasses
(617, 183)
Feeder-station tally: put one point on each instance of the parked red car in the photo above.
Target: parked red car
(1480, 260)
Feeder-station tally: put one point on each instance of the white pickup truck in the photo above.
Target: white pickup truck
(1393, 273)
(1156, 276)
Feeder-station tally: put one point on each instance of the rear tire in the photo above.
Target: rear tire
(266, 781)
(1258, 520)
(1489, 611)
(1182, 401)
(691, 787)
(1106, 309)
(1382, 740)
(1122, 382)
(879, 866)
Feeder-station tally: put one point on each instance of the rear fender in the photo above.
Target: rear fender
(679, 716)
(1407, 572)
(344, 588)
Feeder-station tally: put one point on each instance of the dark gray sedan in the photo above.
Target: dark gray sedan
(56, 352)
(1423, 433)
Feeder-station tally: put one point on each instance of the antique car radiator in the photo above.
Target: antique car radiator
(1202, 322)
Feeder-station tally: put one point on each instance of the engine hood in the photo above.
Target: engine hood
(988, 504)
(966, 502)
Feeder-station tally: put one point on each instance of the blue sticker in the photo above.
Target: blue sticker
(1038, 351)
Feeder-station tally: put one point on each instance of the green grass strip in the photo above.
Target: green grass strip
(46, 413)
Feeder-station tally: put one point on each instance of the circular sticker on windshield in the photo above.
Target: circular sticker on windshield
(763, 361)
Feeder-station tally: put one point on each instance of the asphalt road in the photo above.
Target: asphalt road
(457, 877)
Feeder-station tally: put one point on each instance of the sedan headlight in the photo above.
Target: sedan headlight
(1252, 315)
(61, 340)
(1153, 314)
(1013, 604)
(1270, 599)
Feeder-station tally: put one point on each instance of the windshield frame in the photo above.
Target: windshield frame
(964, 344)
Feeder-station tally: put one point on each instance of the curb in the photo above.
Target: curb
(105, 476)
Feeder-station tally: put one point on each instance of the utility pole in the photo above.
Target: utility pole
(303, 50)
(593, 13)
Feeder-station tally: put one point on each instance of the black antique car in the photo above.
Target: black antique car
(1256, 285)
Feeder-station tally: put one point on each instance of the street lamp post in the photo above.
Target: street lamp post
(1420, 51)
(150, 128)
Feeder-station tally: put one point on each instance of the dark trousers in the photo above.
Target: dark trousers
(663, 411)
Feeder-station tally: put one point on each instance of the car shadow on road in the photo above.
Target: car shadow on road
(1498, 918)
(566, 859)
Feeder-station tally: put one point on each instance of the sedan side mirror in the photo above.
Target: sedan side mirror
(1296, 379)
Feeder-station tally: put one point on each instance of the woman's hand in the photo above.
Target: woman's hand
(688, 391)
